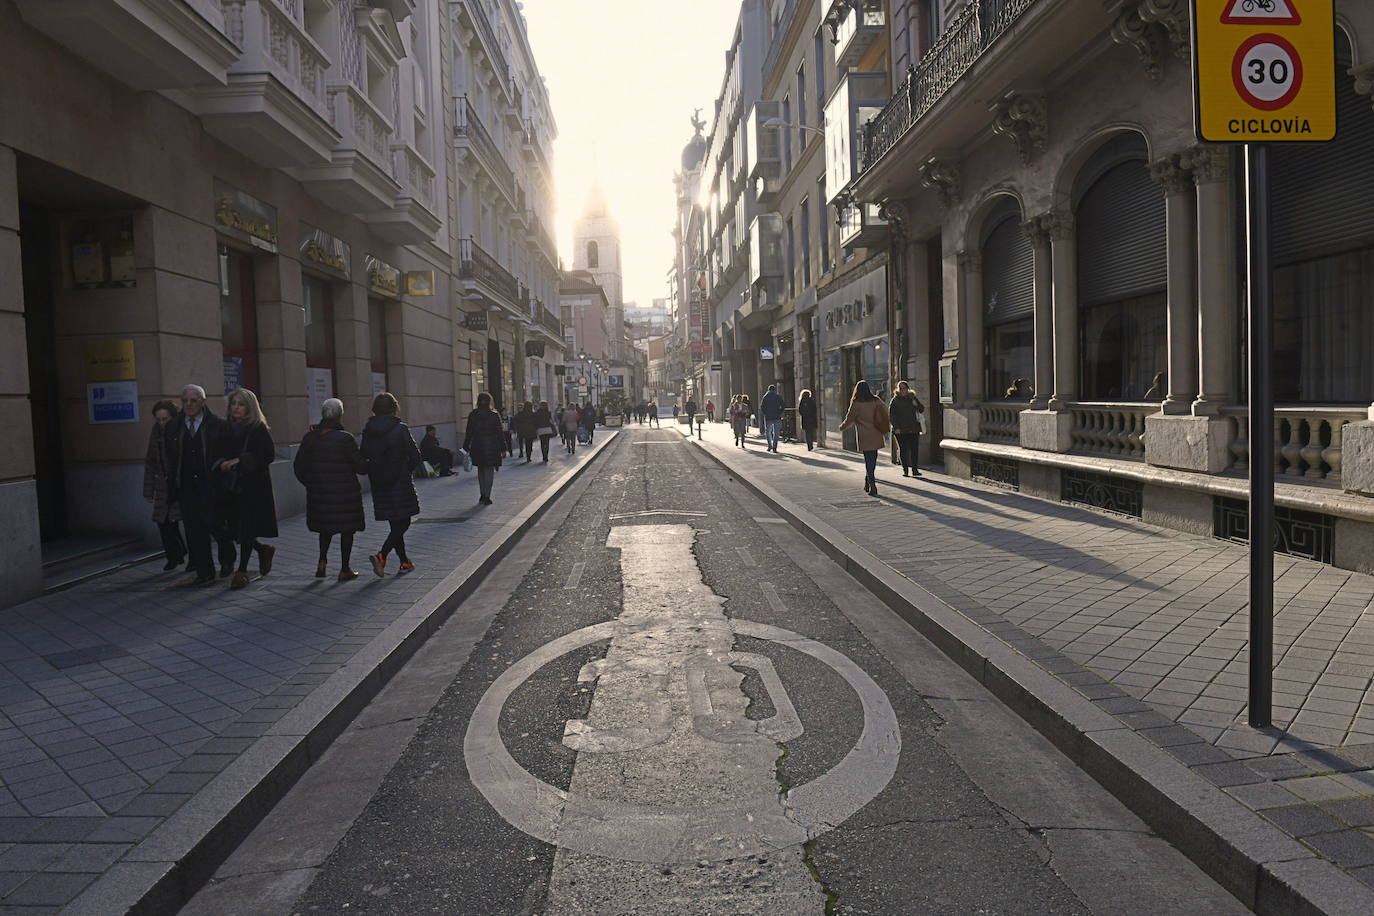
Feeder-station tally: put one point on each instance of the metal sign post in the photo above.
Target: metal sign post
(1260, 308)
(1263, 72)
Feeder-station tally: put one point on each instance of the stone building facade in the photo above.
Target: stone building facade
(267, 193)
(1072, 267)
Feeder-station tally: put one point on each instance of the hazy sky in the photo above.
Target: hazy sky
(623, 77)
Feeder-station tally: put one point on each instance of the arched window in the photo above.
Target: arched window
(1008, 303)
(593, 256)
(1323, 249)
(1122, 273)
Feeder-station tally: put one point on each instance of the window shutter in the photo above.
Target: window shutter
(1008, 273)
(1122, 242)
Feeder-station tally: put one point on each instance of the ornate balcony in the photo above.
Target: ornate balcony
(859, 24)
(147, 44)
(479, 23)
(411, 218)
(274, 106)
(482, 274)
(358, 178)
(470, 130)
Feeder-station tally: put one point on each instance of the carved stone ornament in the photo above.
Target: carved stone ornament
(1147, 25)
(896, 213)
(1130, 30)
(1022, 117)
(943, 176)
(1173, 17)
(1038, 229)
(1208, 163)
(971, 261)
(1170, 172)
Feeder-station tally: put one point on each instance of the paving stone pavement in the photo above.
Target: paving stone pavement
(1150, 623)
(122, 697)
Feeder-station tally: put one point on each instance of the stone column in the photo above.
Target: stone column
(1037, 229)
(281, 341)
(961, 418)
(21, 563)
(1064, 274)
(1180, 215)
(1216, 279)
(975, 378)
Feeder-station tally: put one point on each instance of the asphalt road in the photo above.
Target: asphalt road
(669, 702)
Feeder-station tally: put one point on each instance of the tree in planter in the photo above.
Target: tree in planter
(613, 404)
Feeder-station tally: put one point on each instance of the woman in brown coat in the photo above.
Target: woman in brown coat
(869, 418)
(157, 466)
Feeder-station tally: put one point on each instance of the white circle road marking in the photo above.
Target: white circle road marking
(663, 834)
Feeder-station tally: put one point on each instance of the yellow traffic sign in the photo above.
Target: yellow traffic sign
(1264, 71)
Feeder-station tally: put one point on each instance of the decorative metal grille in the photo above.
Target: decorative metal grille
(1000, 472)
(1102, 491)
(1309, 535)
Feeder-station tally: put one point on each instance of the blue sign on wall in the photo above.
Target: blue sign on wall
(112, 402)
(617, 381)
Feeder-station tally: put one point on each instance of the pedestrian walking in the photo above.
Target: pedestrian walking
(543, 428)
(157, 472)
(676, 411)
(436, 454)
(327, 465)
(739, 418)
(653, 413)
(507, 429)
(191, 441)
(589, 421)
(243, 455)
(807, 415)
(484, 442)
(906, 413)
(691, 410)
(389, 453)
(710, 411)
(868, 417)
(568, 423)
(770, 412)
(525, 427)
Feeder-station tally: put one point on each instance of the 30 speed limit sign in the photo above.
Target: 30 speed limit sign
(1264, 70)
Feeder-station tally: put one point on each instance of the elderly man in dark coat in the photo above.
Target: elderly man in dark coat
(485, 442)
(328, 464)
(191, 440)
(392, 457)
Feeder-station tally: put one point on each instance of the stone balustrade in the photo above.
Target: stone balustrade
(273, 37)
(361, 123)
(1000, 421)
(1115, 430)
(414, 173)
(1307, 440)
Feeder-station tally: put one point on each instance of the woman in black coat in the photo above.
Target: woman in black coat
(157, 471)
(806, 413)
(328, 464)
(242, 454)
(391, 456)
(525, 426)
(485, 441)
(543, 428)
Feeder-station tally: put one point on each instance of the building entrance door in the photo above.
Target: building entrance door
(36, 252)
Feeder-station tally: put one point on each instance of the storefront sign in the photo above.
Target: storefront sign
(110, 361)
(765, 352)
(321, 250)
(242, 216)
(320, 388)
(534, 348)
(475, 321)
(419, 283)
(112, 402)
(382, 278)
(617, 381)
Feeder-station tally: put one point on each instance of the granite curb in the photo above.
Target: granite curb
(160, 873)
(1265, 868)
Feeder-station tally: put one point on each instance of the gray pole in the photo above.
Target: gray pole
(1261, 353)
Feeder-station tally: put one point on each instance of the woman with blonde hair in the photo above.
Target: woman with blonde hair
(242, 455)
(868, 417)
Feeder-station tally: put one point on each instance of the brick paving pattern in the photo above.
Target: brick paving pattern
(1149, 623)
(122, 697)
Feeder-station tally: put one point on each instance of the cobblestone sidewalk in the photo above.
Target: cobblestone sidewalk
(1158, 618)
(121, 698)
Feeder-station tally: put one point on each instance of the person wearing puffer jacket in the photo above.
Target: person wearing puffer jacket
(328, 464)
(906, 411)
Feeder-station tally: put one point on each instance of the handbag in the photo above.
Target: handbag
(544, 431)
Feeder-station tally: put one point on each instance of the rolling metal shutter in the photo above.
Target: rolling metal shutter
(1122, 237)
(1008, 272)
(1323, 193)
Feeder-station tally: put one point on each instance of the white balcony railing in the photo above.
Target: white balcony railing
(1307, 440)
(361, 123)
(273, 38)
(414, 173)
(1000, 422)
(1116, 430)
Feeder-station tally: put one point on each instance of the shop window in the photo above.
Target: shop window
(1010, 358)
(1124, 346)
(238, 320)
(376, 331)
(1008, 275)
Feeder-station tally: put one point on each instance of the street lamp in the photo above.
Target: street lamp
(775, 123)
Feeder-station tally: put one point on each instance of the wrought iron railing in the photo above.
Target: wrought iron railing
(1000, 421)
(970, 33)
(471, 127)
(494, 49)
(547, 319)
(475, 264)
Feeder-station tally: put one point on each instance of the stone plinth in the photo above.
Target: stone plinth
(1047, 430)
(961, 423)
(1188, 443)
(1357, 458)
